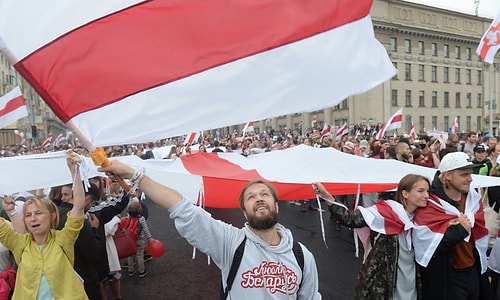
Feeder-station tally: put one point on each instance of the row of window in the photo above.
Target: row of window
(447, 123)
(434, 49)
(434, 99)
(446, 74)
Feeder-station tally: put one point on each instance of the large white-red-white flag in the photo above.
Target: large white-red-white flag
(413, 134)
(181, 65)
(314, 121)
(490, 42)
(454, 128)
(432, 222)
(59, 139)
(12, 107)
(47, 141)
(326, 130)
(248, 127)
(192, 138)
(394, 122)
(344, 129)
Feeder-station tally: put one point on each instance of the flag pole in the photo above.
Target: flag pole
(97, 154)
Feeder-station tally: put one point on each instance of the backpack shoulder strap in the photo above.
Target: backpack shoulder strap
(238, 255)
(299, 256)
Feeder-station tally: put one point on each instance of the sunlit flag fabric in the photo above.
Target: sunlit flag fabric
(12, 107)
(490, 42)
(165, 68)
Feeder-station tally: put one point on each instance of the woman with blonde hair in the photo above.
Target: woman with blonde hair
(44, 255)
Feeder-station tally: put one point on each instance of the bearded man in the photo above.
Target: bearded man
(269, 266)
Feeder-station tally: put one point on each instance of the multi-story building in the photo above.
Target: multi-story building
(40, 120)
(440, 77)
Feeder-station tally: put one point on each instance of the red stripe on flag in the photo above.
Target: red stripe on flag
(12, 105)
(157, 42)
(392, 222)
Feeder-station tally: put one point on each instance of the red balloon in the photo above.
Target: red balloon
(155, 248)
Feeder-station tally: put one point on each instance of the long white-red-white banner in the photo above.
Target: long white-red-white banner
(154, 69)
(222, 175)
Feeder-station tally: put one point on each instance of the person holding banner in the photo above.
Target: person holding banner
(270, 266)
(389, 270)
(450, 236)
(45, 256)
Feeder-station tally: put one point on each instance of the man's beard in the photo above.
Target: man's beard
(263, 222)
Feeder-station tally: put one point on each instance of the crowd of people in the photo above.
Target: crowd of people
(435, 244)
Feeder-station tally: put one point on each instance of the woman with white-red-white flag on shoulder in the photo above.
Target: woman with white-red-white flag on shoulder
(389, 270)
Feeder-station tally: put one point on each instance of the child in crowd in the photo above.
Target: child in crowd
(144, 236)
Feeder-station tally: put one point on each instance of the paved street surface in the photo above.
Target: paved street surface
(176, 276)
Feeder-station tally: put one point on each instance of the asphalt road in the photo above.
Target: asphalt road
(176, 275)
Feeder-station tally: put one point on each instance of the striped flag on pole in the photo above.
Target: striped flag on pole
(47, 141)
(12, 107)
(394, 122)
(344, 129)
(192, 138)
(490, 42)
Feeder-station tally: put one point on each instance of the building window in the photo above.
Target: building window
(457, 52)
(479, 100)
(407, 46)
(468, 76)
(479, 123)
(395, 64)
(468, 123)
(434, 73)
(457, 75)
(394, 44)
(468, 53)
(434, 99)
(446, 122)
(457, 100)
(479, 77)
(421, 72)
(446, 50)
(421, 122)
(344, 104)
(421, 49)
(446, 99)
(421, 98)
(434, 49)
(434, 122)
(468, 100)
(408, 98)
(394, 97)
(446, 75)
(407, 71)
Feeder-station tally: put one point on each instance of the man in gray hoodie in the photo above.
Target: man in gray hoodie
(269, 268)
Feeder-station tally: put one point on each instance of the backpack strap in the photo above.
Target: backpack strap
(238, 255)
(299, 256)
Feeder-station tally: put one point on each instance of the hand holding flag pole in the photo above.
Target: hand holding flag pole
(97, 154)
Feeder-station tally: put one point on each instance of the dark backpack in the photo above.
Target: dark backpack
(238, 255)
(131, 224)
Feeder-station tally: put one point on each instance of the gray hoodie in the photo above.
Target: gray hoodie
(265, 272)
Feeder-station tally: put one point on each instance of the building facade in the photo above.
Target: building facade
(440, 77)
(40, 120)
